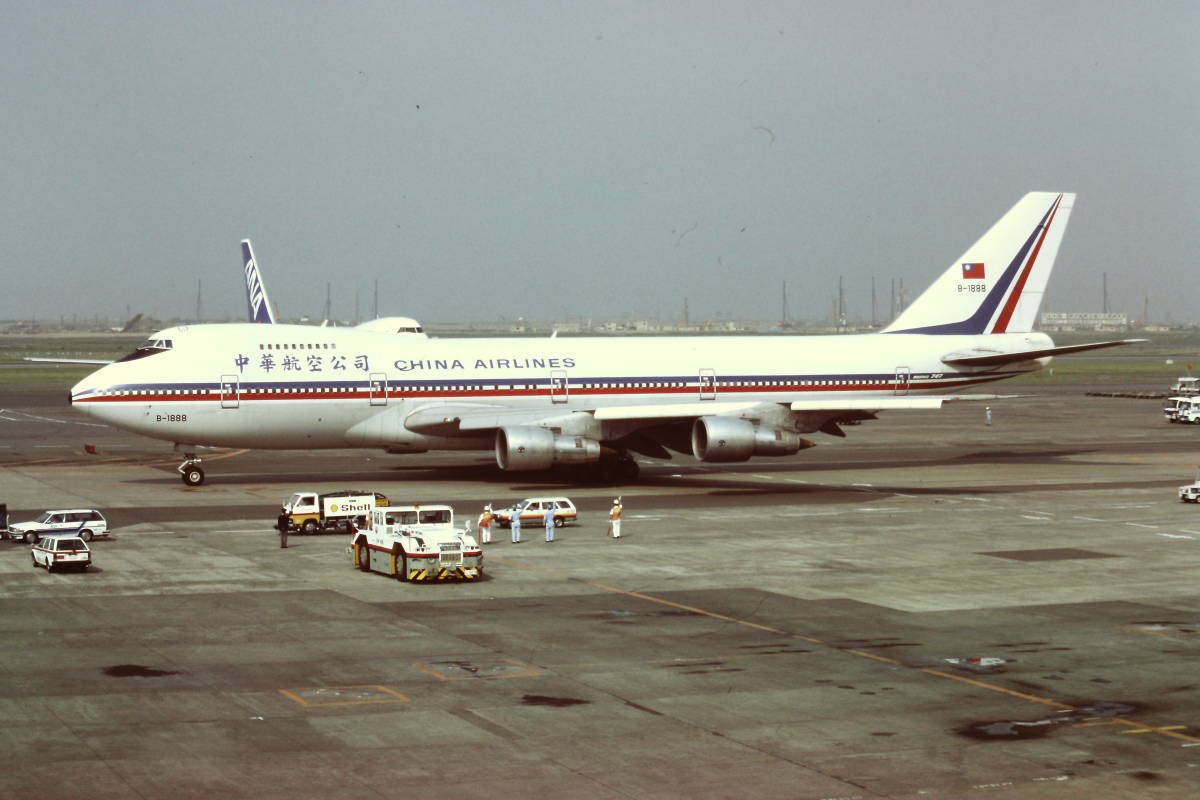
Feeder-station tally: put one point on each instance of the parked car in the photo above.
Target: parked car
(86, 523)
(54, 551)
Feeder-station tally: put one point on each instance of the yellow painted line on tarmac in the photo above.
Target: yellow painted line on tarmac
(1169, 731)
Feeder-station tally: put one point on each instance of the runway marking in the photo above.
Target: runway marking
(1140, 525)
(1087, 519)
(359, 695)
(1169, 731)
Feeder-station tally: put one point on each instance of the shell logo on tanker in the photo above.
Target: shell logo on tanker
(334, 507)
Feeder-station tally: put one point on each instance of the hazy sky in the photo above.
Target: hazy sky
(585, 159)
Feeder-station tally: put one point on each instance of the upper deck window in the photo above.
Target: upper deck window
(148, 348)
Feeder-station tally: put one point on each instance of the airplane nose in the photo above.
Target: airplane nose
(86, 389)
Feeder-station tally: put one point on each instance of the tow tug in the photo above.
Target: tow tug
(1191, 492)
(417, 543)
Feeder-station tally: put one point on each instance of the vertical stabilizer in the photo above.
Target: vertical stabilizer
(996, 286)
(257, 305)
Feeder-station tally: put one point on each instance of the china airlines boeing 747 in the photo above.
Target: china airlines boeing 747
(542, 402)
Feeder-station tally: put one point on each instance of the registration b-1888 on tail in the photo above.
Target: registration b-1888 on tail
(595, 402)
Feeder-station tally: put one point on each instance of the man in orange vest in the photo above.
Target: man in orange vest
(485, 526)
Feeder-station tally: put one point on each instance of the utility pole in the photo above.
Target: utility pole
(784, 317)
(199, 306)
(376, 298)
(874, 322)
(1104, 299)
(328, 303)
(841, 304)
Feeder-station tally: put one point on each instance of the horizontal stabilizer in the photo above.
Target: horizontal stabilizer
(988, 357)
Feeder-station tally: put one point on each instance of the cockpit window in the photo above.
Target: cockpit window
(148, 348)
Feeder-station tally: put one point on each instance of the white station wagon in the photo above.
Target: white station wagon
(85, 523)
(56, 551)
(533, 511)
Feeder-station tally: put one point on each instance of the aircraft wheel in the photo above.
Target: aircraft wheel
(628, 468)
(193, 476)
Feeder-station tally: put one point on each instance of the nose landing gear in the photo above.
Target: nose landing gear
(190, 470)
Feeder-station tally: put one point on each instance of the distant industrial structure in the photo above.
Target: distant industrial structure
(1084, 321)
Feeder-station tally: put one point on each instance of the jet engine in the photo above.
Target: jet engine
(525, 447)
(723, 439)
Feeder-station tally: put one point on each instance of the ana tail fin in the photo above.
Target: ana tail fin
(257, 305)
(997, 285)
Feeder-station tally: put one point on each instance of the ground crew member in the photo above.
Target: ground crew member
(548, 517)
(515, 517)
(485, 526)
(988, 413)
(614, 519)
(282, 524)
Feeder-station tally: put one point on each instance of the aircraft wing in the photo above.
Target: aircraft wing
(869, 403)
(987, 357)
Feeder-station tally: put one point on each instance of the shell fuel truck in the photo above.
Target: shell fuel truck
(417, 543)
(310, 512)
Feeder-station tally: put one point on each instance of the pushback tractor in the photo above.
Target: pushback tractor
(417, 543)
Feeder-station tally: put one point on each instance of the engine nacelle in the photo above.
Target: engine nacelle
(524, 447)
(724, 439)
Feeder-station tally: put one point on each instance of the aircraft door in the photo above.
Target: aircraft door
(558, 386)
(231, 396)
(903, 374)
(379, 389)
(708, 384)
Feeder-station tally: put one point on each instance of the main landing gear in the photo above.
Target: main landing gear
(612, 469)
(190, 470)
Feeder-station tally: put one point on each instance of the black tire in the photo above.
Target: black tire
(85, 535)
(36, 565)
(310, 527)
(30, 537)
(192, 476)
(49, 565)
(560, 521)
(364, 556)
(401, 566)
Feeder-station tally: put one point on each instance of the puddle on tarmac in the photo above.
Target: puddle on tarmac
(137, 671)
(1033, 729)
(553, 702)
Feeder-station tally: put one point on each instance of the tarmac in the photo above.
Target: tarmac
(931, 607)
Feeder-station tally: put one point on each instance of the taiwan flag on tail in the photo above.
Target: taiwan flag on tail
(972, 270)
